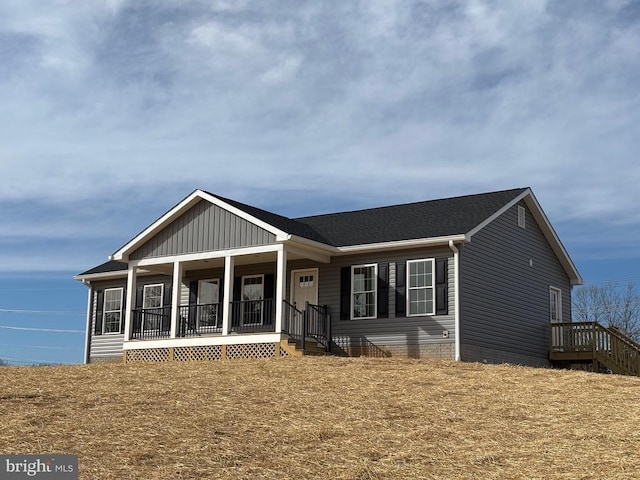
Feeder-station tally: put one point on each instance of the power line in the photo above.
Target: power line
(39, 312)
(39, 346)
(41, 329)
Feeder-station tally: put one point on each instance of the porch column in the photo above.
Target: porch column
(132, 276)
(175, 298)
(229, 263)
(281, 285)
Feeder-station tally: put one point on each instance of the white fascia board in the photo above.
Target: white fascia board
(190, 257)
(280, 235)
(101, 276)
(545, 225)
(401, 244)
(182, 207)
(231, 339)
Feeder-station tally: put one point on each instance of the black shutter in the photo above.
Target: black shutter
(99, 308)
(139, 297)
(237, 289)
(166, 302)
(345, 293)
(383, 290)
(269, 295)
(442, 301)
(193, 301)
(401, 289)
(123, 309)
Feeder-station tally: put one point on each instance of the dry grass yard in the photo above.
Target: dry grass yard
(324, 418)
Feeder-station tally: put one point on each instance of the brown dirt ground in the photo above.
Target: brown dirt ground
(324, 417)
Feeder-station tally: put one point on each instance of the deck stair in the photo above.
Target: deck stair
(294, 348)
(590, 342)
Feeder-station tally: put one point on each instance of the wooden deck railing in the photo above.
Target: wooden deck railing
(591, 341)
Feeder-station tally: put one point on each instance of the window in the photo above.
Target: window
(522, 217)
(555, 305)
(363, 291)
(252, 299)
(420, 281)
(112, 312)
(152, 306)
(208, 297)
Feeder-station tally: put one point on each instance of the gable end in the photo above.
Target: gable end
(204, 227)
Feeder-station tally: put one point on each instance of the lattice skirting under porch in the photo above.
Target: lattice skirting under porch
(205, 353)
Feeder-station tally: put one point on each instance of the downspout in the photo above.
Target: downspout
(456, 293)
(87, 340)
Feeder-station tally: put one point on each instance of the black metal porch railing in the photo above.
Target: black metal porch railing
(151, 323)
(312, 322)
(199, 319)
(252, 315)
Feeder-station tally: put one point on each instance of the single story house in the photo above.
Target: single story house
(471, 278)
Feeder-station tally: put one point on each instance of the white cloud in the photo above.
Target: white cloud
(371, 102)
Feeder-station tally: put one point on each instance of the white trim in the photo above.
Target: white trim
(281, 286)
(175, 298)
(408, 287)
(131, 295)
(418, 242)
(456, 295)
(311, 254)
(490, 219)
(234, 339)
(229, 267)
(104, 310)
(292, 289)
(236, 252)
(375, 291)
(180, 209)
(87, 340)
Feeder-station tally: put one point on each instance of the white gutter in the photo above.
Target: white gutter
(456, 293)
(87, 340)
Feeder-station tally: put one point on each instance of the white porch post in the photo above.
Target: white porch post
(229, 263)
(175, 298)
(132, 275)
(281, 282)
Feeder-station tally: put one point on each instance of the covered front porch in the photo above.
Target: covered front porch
(244, 296)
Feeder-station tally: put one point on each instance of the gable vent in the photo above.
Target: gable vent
(521, 217)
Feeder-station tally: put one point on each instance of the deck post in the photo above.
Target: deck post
(229, 263)
(132, 274)
(281, 281)
(175, 298)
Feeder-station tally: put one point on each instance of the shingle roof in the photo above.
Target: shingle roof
(434, 218)
(110, 266)
(428, 219)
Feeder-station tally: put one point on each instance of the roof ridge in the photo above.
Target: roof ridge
(419, 202)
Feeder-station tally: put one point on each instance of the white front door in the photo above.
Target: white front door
(304, 287)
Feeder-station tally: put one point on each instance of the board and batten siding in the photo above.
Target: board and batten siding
(505, 275)
(403, 336)
(204, 227)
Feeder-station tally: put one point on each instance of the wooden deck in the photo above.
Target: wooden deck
(590, 342)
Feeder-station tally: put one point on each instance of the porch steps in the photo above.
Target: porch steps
(294, 349)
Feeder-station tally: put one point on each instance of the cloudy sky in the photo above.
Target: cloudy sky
(114, 111)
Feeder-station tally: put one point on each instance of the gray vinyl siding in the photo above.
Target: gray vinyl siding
(410, 333)
(203, 228)
(505, 275)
